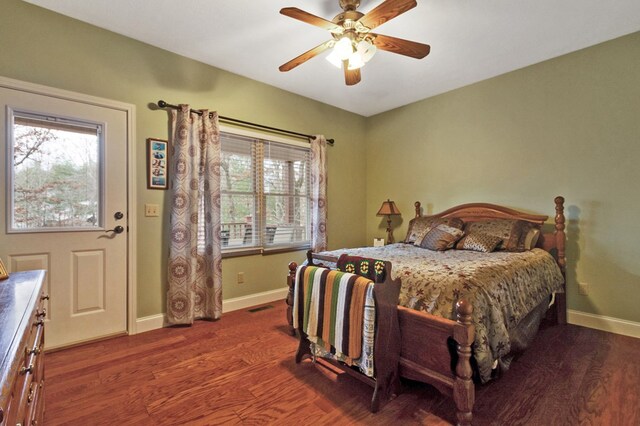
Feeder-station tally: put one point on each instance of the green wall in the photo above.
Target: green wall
(568, 126)
(43, 47)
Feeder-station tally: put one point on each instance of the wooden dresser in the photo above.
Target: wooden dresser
(22, 349)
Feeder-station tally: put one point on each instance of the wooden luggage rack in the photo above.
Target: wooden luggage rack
(386, 352)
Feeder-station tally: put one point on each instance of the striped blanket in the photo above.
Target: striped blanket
(336, 310)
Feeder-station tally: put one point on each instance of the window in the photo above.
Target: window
(265, 194)
(55, 174)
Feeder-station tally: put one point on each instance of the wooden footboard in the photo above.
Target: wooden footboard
(426, 356)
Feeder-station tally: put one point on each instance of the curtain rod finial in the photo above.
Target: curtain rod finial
(162, 103)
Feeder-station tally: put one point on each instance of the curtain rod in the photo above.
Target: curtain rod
(163, 104)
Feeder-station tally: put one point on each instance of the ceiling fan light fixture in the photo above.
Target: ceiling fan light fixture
(355, 61)
(343, 48)
(353, 44)
(366, 49)
(334, 59)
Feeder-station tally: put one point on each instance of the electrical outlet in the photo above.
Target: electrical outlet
(151, 210)
(240, 277)
(583, 289)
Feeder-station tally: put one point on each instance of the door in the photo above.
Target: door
(64, 208)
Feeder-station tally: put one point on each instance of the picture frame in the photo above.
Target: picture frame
(3, 271)
(157, 164)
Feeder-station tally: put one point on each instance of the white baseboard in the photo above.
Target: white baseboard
(600, 322)
(254, 299)
(154, 322)
(149, 323)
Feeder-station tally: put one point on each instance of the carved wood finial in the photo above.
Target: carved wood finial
(291, 279)
(417, 206)
(560, 235)
(464, 310)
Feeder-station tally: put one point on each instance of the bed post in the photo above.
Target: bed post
(463, 387)
(291, 277)
(417, 206)
(561, 298)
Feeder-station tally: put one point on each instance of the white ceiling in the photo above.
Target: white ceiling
(471, 40)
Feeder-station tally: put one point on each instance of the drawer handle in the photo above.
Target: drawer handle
(31, 392)
(45, 297)
(25, 370)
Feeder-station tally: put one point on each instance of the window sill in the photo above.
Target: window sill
(253, 251)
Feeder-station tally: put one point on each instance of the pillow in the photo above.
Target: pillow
(440, 238)
(478, 241)
(531, 239)
(422, 225)
(511, 232)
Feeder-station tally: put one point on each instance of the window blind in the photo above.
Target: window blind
(286, 194)
(239, 195)
(265, 194)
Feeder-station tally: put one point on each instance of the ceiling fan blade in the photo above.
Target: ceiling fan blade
(386, 11)
(301, 15)
(401, 46)
(306, 56)
(351, 77)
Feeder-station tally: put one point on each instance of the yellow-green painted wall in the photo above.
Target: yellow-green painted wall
(568, 126)
(43, 47)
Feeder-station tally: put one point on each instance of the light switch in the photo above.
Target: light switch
(151, 210)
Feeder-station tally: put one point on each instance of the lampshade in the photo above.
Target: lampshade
(355, 61)
(343, 48)
(366, 49)
(388, 208)
(334, 59)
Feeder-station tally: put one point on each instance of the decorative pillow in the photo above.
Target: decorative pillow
(422, 225)
(531, 239)
(478, 241)
(440, 238)
(369, 268)
(510, 232)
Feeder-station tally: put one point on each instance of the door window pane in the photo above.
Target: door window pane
(55, 174)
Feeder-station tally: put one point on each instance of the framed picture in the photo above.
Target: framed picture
(3, 271)
(157, 164)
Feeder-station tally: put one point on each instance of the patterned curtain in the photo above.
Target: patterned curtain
(318, 193)
(195, 259)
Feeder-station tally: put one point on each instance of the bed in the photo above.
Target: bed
(455, 344)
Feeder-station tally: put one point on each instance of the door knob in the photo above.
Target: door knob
(118, 230)
(118, 215)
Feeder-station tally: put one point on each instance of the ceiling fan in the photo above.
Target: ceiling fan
(353, 42)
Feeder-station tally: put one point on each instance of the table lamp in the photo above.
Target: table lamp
(388, 209)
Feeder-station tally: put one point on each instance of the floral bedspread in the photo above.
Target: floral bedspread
(502, 286)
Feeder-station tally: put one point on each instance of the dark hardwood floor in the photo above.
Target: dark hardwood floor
(240, 370)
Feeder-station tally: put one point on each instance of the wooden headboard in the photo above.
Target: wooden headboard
(553, 242)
